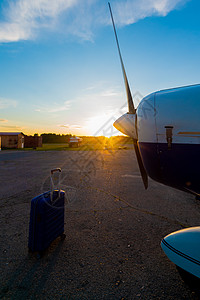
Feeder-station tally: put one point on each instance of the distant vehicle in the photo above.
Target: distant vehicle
(75, 142)
(165, 129)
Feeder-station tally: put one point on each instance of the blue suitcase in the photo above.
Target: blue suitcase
(46, 218)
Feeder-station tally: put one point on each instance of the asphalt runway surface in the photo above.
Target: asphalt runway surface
(113, 229)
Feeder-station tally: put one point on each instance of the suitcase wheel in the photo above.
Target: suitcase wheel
(63, 236)
(40, 254)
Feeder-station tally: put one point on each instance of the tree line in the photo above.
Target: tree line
(51, 138)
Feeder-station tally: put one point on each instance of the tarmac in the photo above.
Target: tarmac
(113, 228)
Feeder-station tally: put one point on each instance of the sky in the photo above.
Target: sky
(59, 66)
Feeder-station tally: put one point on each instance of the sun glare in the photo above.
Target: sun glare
(102, 125)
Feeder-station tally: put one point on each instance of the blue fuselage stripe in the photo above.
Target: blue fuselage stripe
(178, 166)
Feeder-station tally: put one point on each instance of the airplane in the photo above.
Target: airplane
(165, 129)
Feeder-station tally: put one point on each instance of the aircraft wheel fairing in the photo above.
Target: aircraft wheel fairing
(183, 249)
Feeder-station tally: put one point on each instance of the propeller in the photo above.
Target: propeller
(132, 111)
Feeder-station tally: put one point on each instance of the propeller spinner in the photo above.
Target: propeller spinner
(127, 123)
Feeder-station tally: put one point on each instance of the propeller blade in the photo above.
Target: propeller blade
(131, 108)
(140, 163)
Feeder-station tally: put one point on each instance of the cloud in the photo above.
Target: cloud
(25, 19)
(3, 120)
(7, 103)
(131, 11)
(55, 107)
(103, 99)
(108, 93)
(71, 126)
(12, 127)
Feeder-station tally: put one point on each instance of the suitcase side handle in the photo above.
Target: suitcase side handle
(52, 183)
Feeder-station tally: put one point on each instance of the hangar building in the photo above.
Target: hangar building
(11, 140)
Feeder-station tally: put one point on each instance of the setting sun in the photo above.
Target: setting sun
(102, 125)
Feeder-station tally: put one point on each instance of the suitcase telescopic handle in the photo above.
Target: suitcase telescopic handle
(52, 183)
(55, 170)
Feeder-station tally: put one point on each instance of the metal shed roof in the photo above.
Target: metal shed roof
(10, 133)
